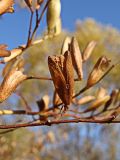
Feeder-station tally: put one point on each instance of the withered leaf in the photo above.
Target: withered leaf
(6, 6)
(76, 58)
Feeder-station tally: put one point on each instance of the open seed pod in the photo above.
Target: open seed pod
(85, 100)
(11, 81)
(28, 2)
(6, 6)
(61, 70)
(112, 99)
(101, 93)
(56, 99)
(98, 71)
(42, 106)
(97, 103)
(76, 58)
(14, 53)
(66, 45)
(88, 50)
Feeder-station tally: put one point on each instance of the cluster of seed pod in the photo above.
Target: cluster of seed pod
(62, 70)
(34, 3)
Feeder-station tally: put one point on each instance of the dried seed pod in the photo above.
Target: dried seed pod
(4, 53)
(10, 83)
(7, 67)
(101, 93)
(29, 3)
(98, 71)
(3, 46)
(88, 50)
(76, 58)
(43, 103)
(6, 6)
(61, 70)
(85, 100)
(53, 15)
(112, 99)
(14, 53)
(39, 3)
(65, 46)
(97, 103)
(56, 99)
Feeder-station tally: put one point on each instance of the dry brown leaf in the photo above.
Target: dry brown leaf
(76, 58)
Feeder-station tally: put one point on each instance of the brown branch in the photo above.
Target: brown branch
(38, 20)
(56, 122)
(30, 28)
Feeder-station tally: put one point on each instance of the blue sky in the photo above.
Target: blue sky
(13, 28)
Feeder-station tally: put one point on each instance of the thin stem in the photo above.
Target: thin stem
(30, 28)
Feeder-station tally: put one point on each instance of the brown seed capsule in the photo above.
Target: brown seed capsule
(66, 45)
(85, 100)
(10, 83)
(98, 71)
(43, 103)
(112, 99)
(56, 99)
(76, 58)
(101, 93)
(14, 53)
(6, 6)
(88, 50)
(8, 67)
(28, 2)
(61, 70)
(3, 46)
(4, 53)
(97, 103)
